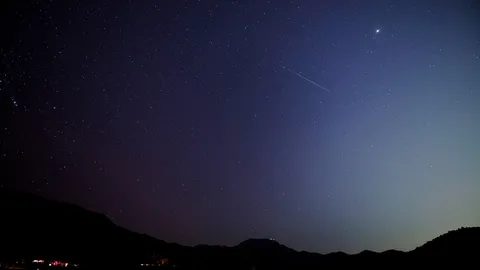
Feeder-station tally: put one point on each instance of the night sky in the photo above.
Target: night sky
(327, 125)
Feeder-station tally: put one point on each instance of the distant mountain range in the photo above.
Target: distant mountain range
(32, 227)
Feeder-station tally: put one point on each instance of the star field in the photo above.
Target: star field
(327, 125)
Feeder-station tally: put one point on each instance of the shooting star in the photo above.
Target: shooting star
(307, 79)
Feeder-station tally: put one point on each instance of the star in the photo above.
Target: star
(377, 31)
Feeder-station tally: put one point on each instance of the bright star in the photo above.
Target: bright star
(377, 31)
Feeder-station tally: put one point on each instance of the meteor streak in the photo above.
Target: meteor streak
(307, 79)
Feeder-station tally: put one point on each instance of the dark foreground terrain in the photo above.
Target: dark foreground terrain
(38, 233)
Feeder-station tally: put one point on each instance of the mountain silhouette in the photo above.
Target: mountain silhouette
(264, 244)
(33, 227)
(464, 242)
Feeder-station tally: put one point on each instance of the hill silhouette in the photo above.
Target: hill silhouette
(33, 227)
(259, 245)
(464, 242)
